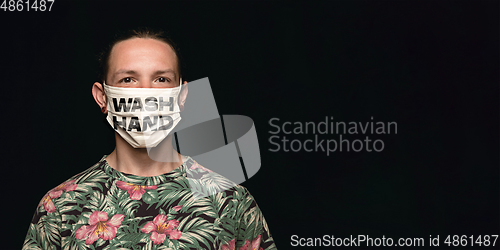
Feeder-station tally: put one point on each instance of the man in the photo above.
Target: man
(130, 201)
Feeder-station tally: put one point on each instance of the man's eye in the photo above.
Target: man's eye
(126, 80)
(163, 79)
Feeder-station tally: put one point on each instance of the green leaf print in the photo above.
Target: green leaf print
(150, 197)
(171, 211)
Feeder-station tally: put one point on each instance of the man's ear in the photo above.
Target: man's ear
(99, 96)
(183, 95)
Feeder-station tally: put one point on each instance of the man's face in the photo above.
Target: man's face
(142, 63)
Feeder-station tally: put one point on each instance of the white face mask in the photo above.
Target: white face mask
(143, 116)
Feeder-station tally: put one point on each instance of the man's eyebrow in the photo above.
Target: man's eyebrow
(125, 71)
(133, 72)
(159, 72)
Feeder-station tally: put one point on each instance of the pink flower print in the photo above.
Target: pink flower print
(177, 208)
(160, 228)
(254, 245)
(99, 227)
(56, 192)
(245, 247)
(228, 246)
(66, 186)
(196, 165)
(48, 204)
(135, 191)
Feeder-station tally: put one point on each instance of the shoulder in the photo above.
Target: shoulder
(205, 182)
(82, 182)
(94, 173)
(241, 192)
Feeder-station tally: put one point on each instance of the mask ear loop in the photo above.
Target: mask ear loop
(183, 159)
(180, 89)
(106, 96)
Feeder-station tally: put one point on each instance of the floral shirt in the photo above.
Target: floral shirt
(102, 208)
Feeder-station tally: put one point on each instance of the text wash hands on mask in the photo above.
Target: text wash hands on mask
(143, 116)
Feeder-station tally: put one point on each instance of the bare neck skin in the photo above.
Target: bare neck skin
(137, 161)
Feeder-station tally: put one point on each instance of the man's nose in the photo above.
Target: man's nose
(145, 84)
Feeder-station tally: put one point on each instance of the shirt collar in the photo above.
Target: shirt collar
(143, 180)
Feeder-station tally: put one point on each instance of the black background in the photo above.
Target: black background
(430, 66)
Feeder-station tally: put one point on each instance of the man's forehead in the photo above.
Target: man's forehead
(137, 49)
(142, 42)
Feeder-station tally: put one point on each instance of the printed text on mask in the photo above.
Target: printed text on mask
(150, 104)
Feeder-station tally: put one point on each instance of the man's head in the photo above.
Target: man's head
(140, 59)
(106, 58)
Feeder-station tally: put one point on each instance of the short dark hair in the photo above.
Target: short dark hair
(135, 33)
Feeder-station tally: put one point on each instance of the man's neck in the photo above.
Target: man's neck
(137, 161)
